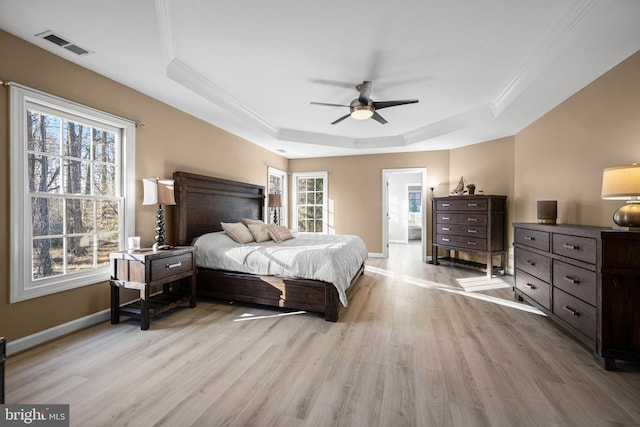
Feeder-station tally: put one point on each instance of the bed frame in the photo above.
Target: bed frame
(202, 203)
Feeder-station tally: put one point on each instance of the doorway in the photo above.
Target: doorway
(404, 213)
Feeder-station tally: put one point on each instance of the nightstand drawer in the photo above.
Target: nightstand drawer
(578, 314)
(533, 287)
(534, 264)
(170, 266)
(580, 248)
(576, 281)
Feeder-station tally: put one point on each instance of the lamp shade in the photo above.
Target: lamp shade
(547, 211)
(621, 182)
(158, 192)
(274, 201)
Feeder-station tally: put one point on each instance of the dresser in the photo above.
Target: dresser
(474, 224)
(587, 281)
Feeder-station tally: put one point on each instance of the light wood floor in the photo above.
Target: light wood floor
(412, 349)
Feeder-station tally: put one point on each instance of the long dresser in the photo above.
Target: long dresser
(474, 224)
(587, 280)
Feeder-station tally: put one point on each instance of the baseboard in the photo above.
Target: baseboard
(41, 337)
(375, 255)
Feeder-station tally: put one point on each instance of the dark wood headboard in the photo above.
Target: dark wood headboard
(203, 202)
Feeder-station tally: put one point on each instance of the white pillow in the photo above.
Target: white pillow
(237, 231)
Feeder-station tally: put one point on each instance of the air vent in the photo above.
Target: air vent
(58, 40)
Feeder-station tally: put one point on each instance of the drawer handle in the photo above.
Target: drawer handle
(472, 243)
(571, 280)
(445, 239)
(531, 263)
(175, 265)
(472, 231)
(445, 205)
(446, 229)
(472, 205)
(445, 217)
(472, 219)
(570, 246)
(530, 286)
(572, 311)
(529, 238)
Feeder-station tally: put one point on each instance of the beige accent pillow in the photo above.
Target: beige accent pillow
(259, 231)
(252, 221)
(279, 233)
(237, 231)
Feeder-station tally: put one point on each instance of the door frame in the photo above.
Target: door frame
(385, 207)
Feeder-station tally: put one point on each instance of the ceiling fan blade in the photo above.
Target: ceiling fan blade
(378, 118)
(340, 119)
(365, 92)
(329, 105)
(384, 104)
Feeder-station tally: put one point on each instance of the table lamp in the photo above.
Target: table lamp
(623, 183)
(274, 203)
(158, 192)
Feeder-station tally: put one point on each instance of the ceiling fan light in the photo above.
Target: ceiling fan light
(362, 112)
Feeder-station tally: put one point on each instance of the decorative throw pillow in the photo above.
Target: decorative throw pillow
(279, 233)
(253, 221)
(237, 231)
(259, 231)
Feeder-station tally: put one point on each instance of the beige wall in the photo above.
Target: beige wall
(171, 140)
(561, 156)
(355, 187)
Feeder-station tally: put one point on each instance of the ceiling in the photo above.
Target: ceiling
(481, 70)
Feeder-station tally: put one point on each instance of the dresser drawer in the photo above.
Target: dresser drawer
(461, 230)
(534, 288)
(166, 267)
(534, 264)
(455, 204)
(533, 238)
(576, 281)
(580, 248)
(575, 312)
(462, 242)
(477, 219)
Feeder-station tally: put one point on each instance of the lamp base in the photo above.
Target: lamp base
(628, 215)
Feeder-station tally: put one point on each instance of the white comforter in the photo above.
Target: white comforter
(329, 258)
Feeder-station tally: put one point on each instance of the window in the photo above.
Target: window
(72, 192)
(310, 195)
(415, 201)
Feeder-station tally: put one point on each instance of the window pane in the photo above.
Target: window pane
(317, 212)
(77, 141)
(46, 216)
(107, 215)
(302, 198)
(104, 180)
(46, 260)
(319, 198)
(104, 146)
(302, 184)
(43, 133)
(77, 177)
(319, 184)
(44, 174)
(318, 224)
(79, 216)
(301, 226)
(106, 243)
(310, 184)
(79, 253)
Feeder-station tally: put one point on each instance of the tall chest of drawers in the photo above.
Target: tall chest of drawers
(587, 280)
(474, 224)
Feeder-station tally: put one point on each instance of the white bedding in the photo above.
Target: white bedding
(329, 258)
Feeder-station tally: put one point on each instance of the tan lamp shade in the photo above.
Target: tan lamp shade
(158, 191)
(274, 201)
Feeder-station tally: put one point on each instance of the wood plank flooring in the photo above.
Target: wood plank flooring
(412, 349)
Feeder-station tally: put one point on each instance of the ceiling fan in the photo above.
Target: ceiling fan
(363, 107)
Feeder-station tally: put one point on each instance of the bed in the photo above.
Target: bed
(202, 203)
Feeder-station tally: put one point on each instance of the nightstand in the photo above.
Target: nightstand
(164, 278)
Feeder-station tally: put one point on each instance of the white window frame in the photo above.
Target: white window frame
(268, 214)
(325, 199)
(23, 287)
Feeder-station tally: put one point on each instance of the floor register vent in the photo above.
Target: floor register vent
(64, 43)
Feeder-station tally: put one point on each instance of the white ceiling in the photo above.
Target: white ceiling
(481, 70)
